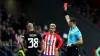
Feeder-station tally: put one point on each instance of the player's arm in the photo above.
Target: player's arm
(67, 18)
(22, 44)
(42, 47)
(80, 39)
(60, 42)
(43, 39)
(42, 44)
(66, 14)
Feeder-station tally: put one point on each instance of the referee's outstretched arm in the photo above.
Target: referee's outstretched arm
(67, 18)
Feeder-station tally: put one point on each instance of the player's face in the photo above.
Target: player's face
(70, 24)
(19, 31)
(52, 29)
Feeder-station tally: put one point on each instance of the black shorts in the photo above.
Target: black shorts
(73, 51)
(31, 54)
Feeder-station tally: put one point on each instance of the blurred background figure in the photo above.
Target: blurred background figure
(65, 37)
(0, 30)
(97, 51)
(19, 38)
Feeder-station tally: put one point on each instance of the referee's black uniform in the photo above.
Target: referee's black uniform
(73, 50)
(33, 40)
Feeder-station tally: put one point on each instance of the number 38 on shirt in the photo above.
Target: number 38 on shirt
(33, 42)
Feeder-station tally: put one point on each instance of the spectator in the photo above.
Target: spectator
(23, 31)
(14, 44)
(22, 21)
(4, 13)
(39, 30)
(13, 35)
(6, 50)
(2, 53)
(19, 38)
(45, 28)
(0, 18)
(5, 23)
(4, 35)
(16, 25)
(9, 30)
(0, 30)
(98, 24)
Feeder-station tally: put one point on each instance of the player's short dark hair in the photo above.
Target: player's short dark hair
(73, 20)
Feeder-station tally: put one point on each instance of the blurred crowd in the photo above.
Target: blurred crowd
(87, 9)
(11, 31)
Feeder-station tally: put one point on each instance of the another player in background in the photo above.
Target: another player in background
(50, 39)
(74, 37)
(33, 40)
(98, 51)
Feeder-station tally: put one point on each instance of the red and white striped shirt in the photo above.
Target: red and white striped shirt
(50, 43)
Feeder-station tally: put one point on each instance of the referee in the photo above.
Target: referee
(74, 37)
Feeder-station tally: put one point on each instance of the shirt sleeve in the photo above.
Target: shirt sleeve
(60, 41)
(78, 34)
(44, 35)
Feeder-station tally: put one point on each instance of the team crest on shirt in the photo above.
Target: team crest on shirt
(49, 42)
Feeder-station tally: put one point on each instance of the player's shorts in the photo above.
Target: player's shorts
(31, 54)
(48, 55)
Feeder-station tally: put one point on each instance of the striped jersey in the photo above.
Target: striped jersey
(50, 41)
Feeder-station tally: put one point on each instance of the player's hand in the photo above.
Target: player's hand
(40, 51)
(69, 45)
(56, 49)
(65, 9)
(25, 50)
